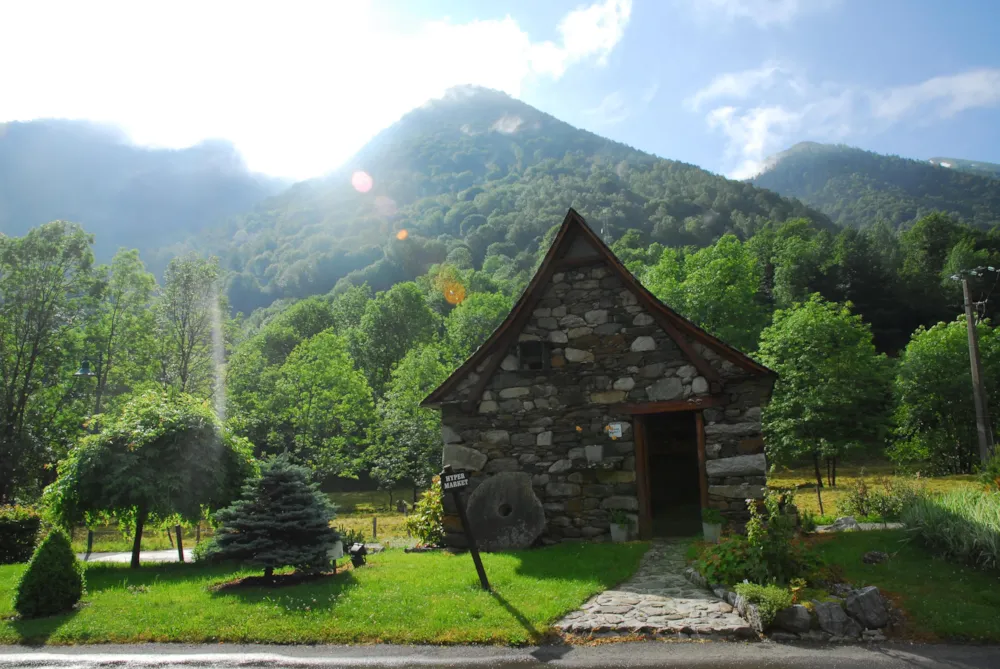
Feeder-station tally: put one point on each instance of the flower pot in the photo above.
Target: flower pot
(619, 533)
(712, 531)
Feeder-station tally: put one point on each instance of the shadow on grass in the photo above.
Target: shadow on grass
(522, 619)
(314, 595)
(103, 576)
(36, 631)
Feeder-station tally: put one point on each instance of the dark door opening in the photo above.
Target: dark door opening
(674, 476)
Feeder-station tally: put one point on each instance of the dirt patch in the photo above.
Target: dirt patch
(276, 581)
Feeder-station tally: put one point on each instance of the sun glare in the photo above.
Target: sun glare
(362, 181)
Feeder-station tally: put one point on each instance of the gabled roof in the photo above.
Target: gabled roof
(574, 246)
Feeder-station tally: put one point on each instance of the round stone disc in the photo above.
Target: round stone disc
(504, 512)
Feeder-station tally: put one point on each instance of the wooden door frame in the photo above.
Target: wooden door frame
(642, 481)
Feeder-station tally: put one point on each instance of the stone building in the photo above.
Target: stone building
(594, 396)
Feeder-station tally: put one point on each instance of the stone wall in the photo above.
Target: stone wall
(603, 349)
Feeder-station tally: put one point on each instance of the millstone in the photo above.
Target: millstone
(505, 513)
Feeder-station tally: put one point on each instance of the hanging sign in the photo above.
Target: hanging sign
(454, 481)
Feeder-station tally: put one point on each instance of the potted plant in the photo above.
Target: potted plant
(711, 524)
(621, 524)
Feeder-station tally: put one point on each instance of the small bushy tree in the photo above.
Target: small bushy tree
(53, 581)
(833, 390)
(281, 519)
(163, 454)
(427, 520)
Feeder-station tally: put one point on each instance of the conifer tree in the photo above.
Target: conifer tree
(281, 519)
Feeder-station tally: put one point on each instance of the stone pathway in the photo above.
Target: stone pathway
(657, 600)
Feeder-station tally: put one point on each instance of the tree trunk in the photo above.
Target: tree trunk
(819, 474)
(140, 522)
(414, 494)
(834, 484)
(269, 573)
(390, 499)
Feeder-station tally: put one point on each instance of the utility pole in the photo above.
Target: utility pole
(978, 391)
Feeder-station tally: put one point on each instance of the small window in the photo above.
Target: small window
(533, 355)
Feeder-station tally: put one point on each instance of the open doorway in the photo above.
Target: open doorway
(673, 474)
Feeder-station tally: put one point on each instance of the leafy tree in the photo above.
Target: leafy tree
(716, 287)
(123, 330)
(935, 414)
(474, 320)
(162, 455)
(53, 581)
(189, 309)
(408, 447)
(393, 323)
(833, 390)
(318, 408)
(281, 519)
(45, 282)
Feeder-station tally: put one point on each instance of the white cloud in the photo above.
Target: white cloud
(737, 85)
(770, 108)
(945, 96)
(297, 90)
(762, 12)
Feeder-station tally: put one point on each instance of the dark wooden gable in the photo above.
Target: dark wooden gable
(574, 246)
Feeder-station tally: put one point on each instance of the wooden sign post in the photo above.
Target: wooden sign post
(456, 482)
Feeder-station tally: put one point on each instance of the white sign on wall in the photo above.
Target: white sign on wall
(615, 430)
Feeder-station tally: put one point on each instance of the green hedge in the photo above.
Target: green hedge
(962, 525)
(19, 527)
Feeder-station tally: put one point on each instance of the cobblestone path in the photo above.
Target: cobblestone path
(658, 600)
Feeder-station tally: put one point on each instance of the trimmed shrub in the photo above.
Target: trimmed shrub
(53, 581)
(19, 527)
(426, 522)
(769, 599)
(962, 525)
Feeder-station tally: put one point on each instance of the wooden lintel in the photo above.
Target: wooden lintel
(692, 404)
(576, 263)
(684, 345)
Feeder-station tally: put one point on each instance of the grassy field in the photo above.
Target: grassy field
(369, 500)
(805, 498)
(397, 597)
(942, 600)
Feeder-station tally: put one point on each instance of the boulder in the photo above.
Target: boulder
(867, 607)
(874, 557)
(739, 465)
(462, 457)
(845, 524)
(699, 386)
(505, 512)
(834, 621)
(793, 619)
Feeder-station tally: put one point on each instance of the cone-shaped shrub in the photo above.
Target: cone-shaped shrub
(281, 519)
(53, 581)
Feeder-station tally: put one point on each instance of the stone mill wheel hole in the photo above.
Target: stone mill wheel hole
(505, 510)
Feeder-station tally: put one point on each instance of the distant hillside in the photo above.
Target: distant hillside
(857, 188)
(477, 178)
(126, 195)
(979, 167)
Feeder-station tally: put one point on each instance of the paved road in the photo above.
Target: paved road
(631, 655)
(169, 555)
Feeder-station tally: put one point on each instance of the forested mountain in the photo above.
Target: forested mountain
(856, 187)
(972, 166)
(124, 194)
(477, 178)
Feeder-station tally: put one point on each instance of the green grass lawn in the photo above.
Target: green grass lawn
(397, 597)
(942, 600)
(805, 499)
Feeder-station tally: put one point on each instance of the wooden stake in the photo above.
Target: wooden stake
(978, 391)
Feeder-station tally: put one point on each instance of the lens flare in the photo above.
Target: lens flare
(362, 181)
(402, 234)
(453, 292)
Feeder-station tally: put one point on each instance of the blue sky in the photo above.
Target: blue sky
(299, 87)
